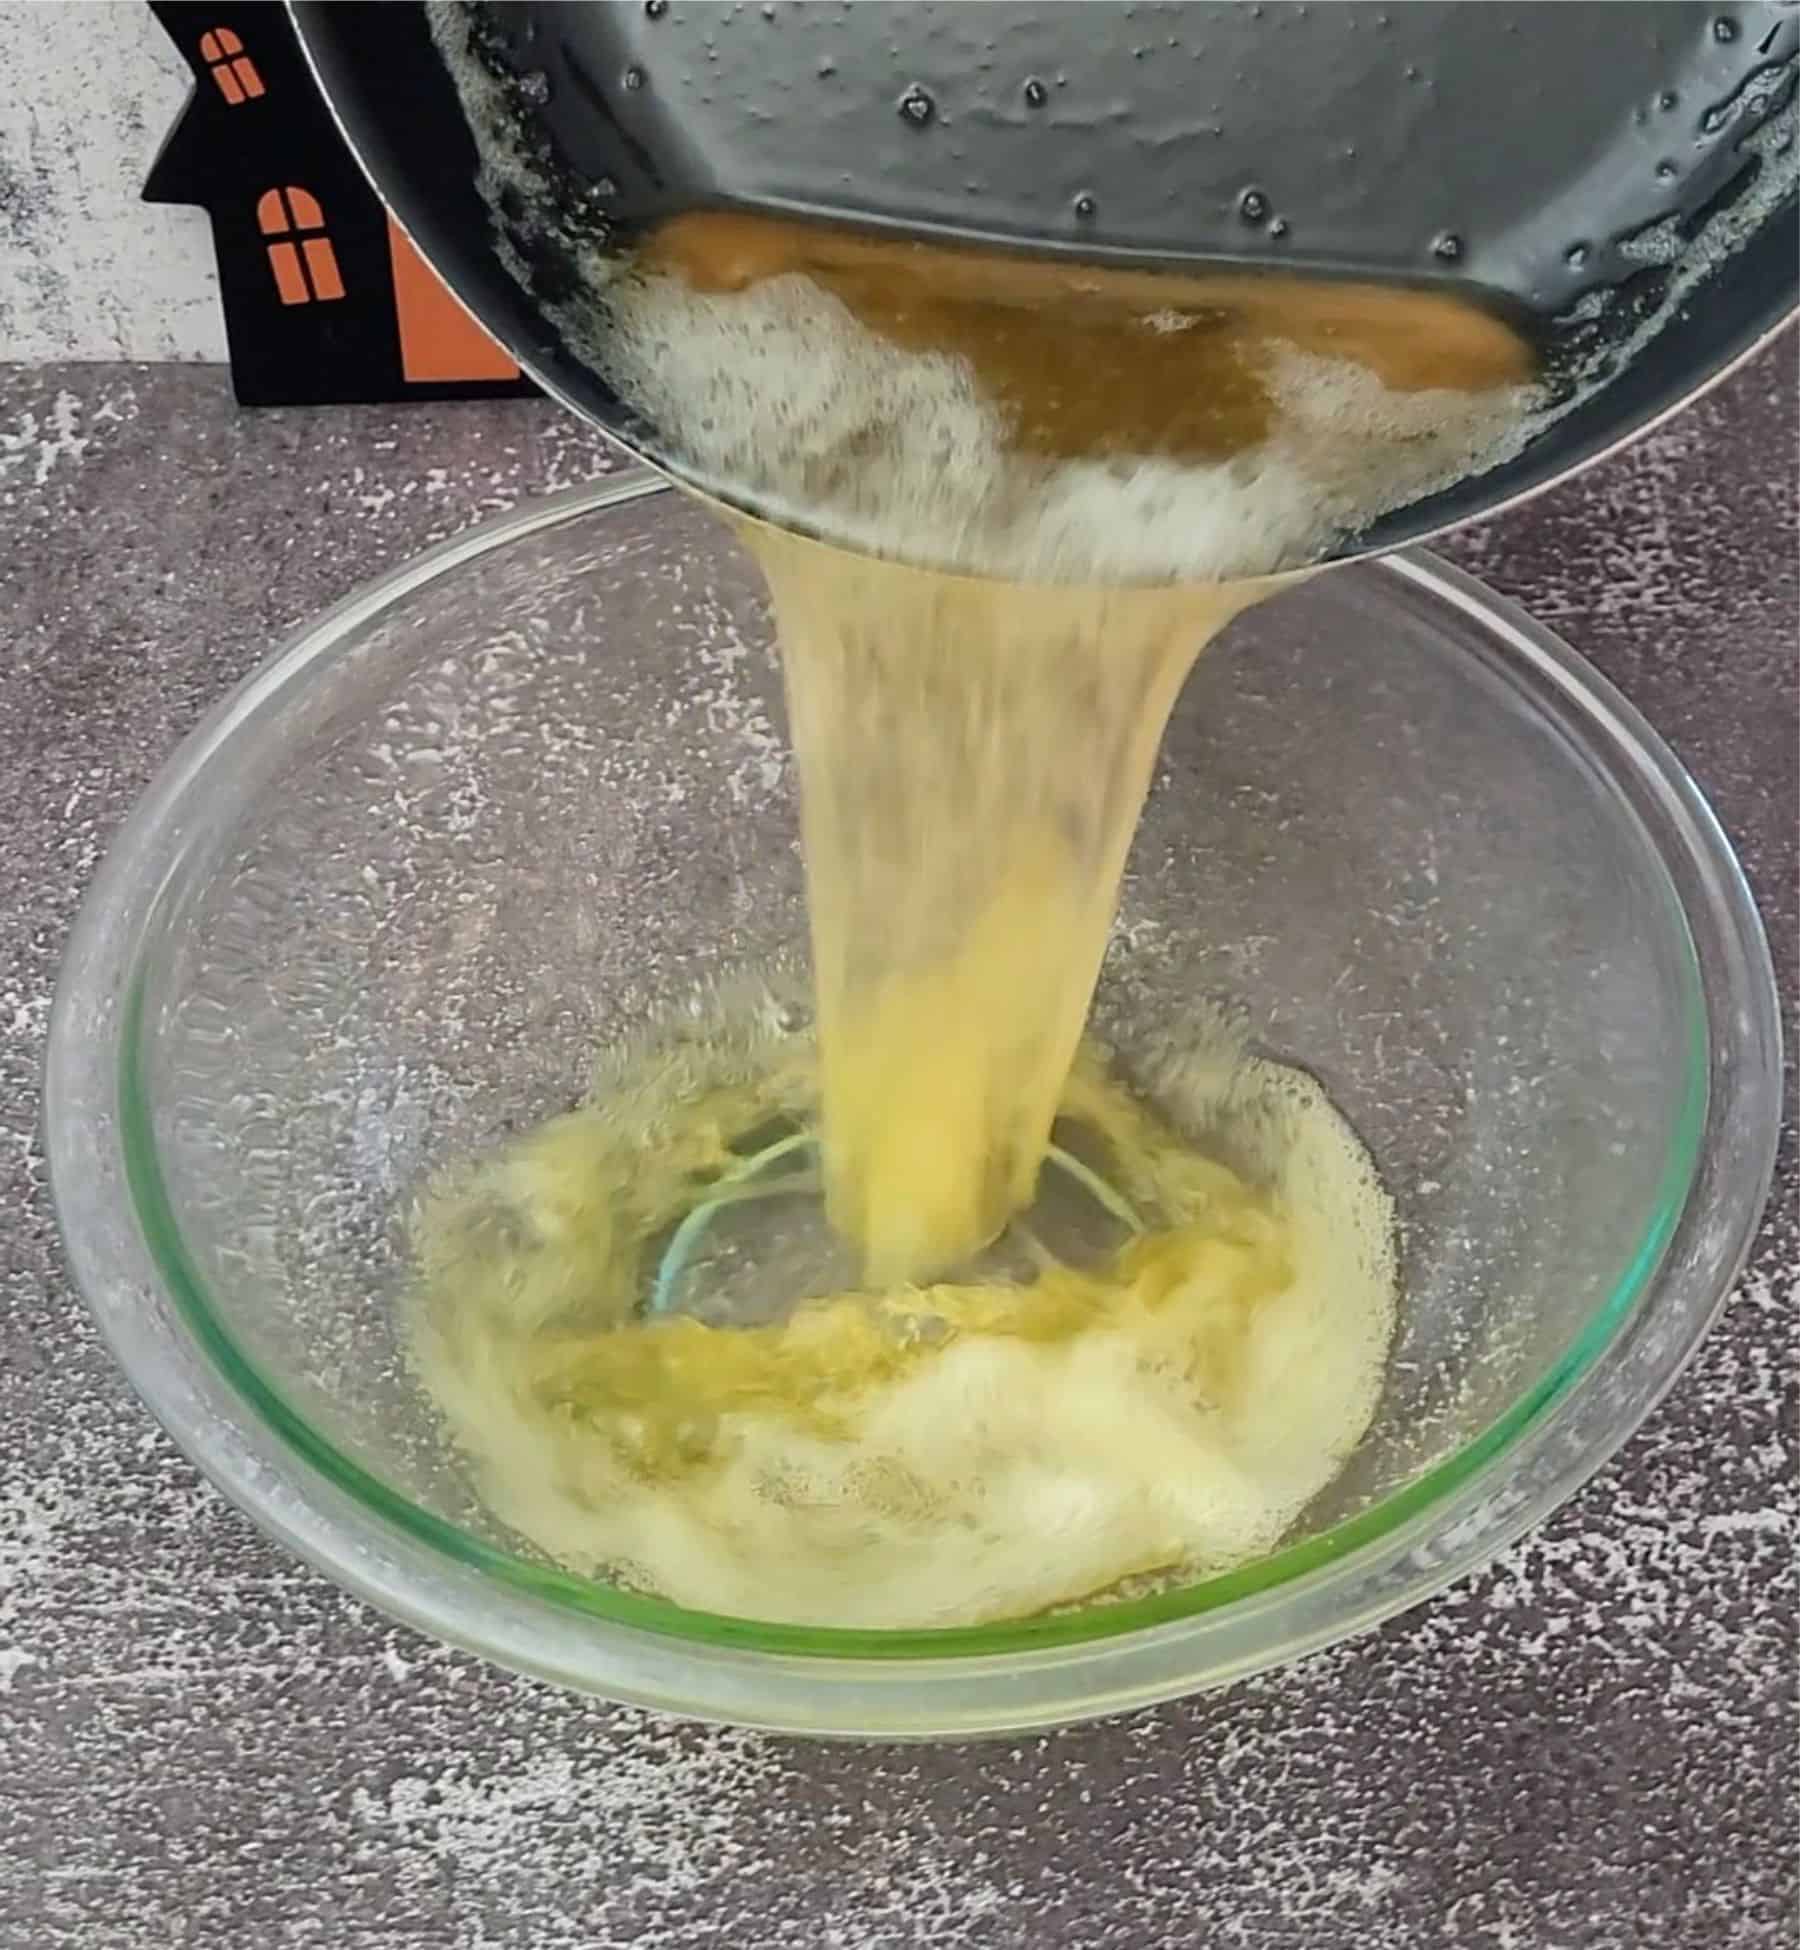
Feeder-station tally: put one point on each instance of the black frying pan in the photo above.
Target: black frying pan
(1583, 167)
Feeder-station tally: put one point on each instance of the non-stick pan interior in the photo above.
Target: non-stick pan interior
(1589, 169)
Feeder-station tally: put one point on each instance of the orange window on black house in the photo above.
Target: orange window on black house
(300, 253)
(230, 66)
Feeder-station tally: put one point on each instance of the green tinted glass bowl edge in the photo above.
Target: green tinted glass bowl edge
(130, 1263)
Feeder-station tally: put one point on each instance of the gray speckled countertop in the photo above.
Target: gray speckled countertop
(1590, 1747)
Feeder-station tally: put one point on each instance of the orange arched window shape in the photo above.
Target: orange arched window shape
(230, 66)
(300, 254)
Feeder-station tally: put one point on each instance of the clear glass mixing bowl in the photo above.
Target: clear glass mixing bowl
(382, 907)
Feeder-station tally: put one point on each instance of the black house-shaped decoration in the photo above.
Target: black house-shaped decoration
(325, 299)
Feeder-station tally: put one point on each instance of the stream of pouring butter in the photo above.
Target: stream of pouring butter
(1034, 491)
(973, 757)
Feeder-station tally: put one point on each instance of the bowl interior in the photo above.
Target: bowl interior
(484, 825)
